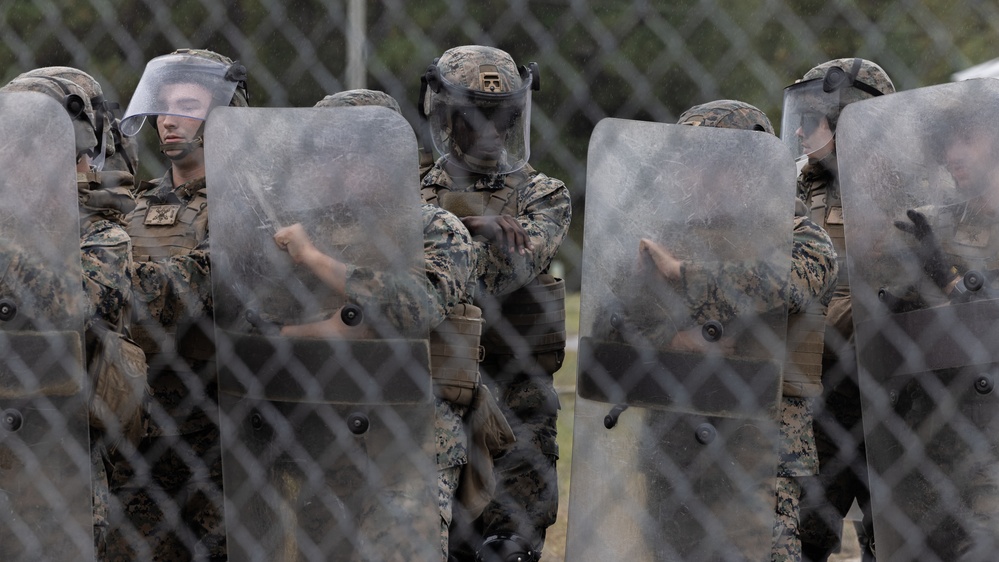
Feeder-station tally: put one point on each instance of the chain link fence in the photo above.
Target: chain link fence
(635, 60)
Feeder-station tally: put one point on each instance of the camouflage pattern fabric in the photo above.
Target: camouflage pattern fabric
(838, 422)
(813, 274)
(351, 98)
(167, 502)
(870, 73)
(527, 486)
(727, 114)
(168, 493)
(798, 458)
(448, 256)
(460, 66)
(543, 209)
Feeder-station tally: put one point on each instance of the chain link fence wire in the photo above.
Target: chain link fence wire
(637, 60)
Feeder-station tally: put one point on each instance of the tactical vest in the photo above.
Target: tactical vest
(803, 362)
(827, 212)
(529, 322)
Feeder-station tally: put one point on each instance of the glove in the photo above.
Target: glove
(929, 251)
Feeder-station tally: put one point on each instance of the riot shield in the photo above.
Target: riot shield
(924, 244)
(678, 387)
(328, 436)
(46, 495)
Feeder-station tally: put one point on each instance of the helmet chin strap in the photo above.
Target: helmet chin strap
(480, 163)
(184, 147)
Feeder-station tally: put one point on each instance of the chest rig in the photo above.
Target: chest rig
(529, 323)
(827, 212)
(164, 226)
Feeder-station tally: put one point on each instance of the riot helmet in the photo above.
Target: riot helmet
(478, 106)
(360, 97)
(72, 97)
(727, 114)
(104, 118)
(812, 105)
(186, 83)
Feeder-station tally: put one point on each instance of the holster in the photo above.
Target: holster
(455, 354)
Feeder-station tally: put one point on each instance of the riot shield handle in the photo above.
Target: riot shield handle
(908, 302)
(610, 420)
(265, 327)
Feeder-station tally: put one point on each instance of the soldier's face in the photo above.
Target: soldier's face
(969, 159)
(478, 136)
(191, 100)
(816, 136)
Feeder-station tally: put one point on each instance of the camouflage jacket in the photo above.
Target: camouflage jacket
(813, 276)
(543, 209)
(177, 288)
(424, 299)
(106, 253)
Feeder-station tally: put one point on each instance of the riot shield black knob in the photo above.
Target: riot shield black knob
(256, 421)
(8, 310)
(11, 420)
(351, 315)
(357, 423)
(984, 384)
(705, 433)
(615, 321)
(974, 280)
(712, 330)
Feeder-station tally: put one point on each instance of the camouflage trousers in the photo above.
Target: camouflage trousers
(452, 454)
(797, 458)
(167, 500)
(526, 498)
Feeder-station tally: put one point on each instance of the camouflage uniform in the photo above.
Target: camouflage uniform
(526, 498)
(106, 252)
(180, 457)
(839, 431)
(813, 274)
(450, 281)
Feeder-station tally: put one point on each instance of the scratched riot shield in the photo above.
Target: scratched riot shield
(46, 495)
(919, 171)
(678, 387)
(324, 385)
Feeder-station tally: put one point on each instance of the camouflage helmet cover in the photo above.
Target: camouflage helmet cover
(869, 74)
(72, 97)
(485, 85)
(361, 97)
(103, 109)
(727, 114)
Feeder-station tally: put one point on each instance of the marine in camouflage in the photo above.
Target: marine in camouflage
(842, 476)
(449, 269)
(170, 489)
(814, 272)
(484, 81)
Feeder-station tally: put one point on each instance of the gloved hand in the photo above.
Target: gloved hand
(929, 251)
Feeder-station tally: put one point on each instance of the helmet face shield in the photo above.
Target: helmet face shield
(482, 132)
(805, 124)
(180, 84)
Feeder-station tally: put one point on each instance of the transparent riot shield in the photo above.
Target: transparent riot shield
(46, 496)
(918, 172)
(676, 437)
(324, 387)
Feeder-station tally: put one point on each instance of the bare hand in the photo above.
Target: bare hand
(502, 230)
(661, 258)
(294, 240)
